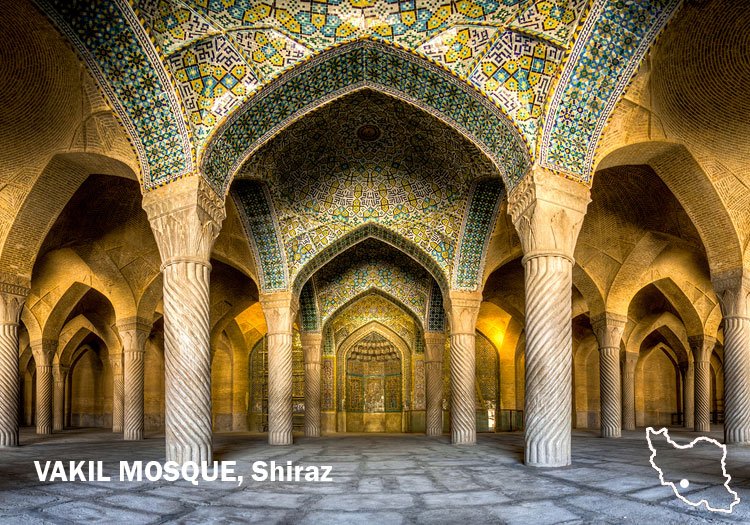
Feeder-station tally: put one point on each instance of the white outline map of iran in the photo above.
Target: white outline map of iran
(684, 483)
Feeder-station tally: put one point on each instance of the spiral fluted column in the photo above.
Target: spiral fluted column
(11, 303)
(608, 328)
(702, 346)
(59, 374)
(736, 380)
(733, 291)
(133, 333)
(279, 310)
(434, 350)
(628, 390)
(312, 348)
(547, 211)
(44, 351)
(187, 362)
(186, 217)
(115, 362)
(688, 394)
(462, 309)
(549, 353)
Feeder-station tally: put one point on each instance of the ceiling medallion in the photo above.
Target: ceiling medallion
(368, 132)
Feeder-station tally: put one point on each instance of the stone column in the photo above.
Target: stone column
(279, 309)
(133, 333)
(702, 346)
(59, 374)
(115, 362)
(734, 295)
(434, 349)
(43, 351)
(462, 309)
(548, 211)
(608, 328)
(688, 394)
(630, 360)
(12, 298)
(312, 348)
(186, 217)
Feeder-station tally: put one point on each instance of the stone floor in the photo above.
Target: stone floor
(378, 479)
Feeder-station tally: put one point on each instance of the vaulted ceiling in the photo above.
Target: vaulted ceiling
(545, 74)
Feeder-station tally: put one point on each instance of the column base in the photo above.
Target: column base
(312, 432)
(611, 433)
(434, 432)
(702, 428)
(280, 438)
(133, 435)
(195, 452)
(463, 438)
(737, 437)
(546, 459)
(8, 439)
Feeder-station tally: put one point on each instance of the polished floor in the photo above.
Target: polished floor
(377, 479)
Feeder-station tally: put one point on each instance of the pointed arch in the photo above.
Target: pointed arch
(652, 323)
(696, 193)
(370, 230)
(358, 65)
(373, 291)
(41, 206)
(72, 335)
(158, 132)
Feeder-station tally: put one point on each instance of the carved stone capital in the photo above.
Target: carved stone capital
(133, 332)
(11, 305)
(43, 351)
(115, 361)
(434, 347)
(548, 212)
(13, 293)
(462, 309)
(733, 290)
(629, 360)
(608, 328)
(702, 346)
(186, 217)
(280, 310)
(312, 346)
(60, 372)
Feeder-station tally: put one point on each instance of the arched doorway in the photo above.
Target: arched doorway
(374, 384)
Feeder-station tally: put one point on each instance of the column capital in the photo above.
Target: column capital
(312, 343)
(434, 347)
(547, 211)
(733, 290)
(12, 298)
(630, 359)
(133, 332)
(702, 346)
(280, 309)
(43, 351)
(608, 328)
(186, 217)
(60, 372)
(462, 309)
